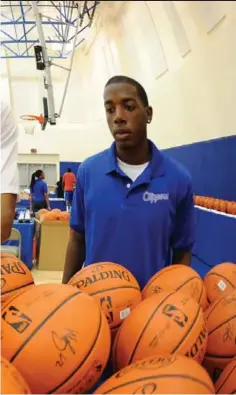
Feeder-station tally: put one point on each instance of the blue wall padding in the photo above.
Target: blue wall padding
(64, 166)
(212, 165)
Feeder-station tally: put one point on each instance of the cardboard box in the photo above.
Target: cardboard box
(51, 244)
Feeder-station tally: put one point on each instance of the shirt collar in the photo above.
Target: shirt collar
(155, 168)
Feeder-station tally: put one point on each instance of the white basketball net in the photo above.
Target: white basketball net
(30, 126)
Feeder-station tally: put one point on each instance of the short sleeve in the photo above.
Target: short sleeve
(183, 236)
(9, 151)
(77, 222)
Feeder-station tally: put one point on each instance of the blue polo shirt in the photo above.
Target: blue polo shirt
(38, 191)
(135, 224)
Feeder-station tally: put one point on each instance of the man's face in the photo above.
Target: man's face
(126, 115)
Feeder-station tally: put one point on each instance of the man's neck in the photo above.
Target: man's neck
(135, 155)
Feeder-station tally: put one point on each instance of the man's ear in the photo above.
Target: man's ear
(149, 112)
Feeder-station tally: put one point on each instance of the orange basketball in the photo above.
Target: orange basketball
(41, 212)
(234, 208)
(172, 374)
(56, 210)
(215, 365)
(49, 217)
(221, 324)
(166, 323)
(220, 280)
(217, 205)
(223, 206)
(57, 337)
(11, 380)
(64, 216)
(229, 208)
(177, 278)
(56, 213)
(206, 202)
(114, 288)
(15, 277)
(201, 200)
(226, 384)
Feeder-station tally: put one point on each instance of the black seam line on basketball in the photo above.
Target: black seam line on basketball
(220, 275)
(16, 289)
(146, 325)
(112, 289)
(222, 323)
(187, 281)
(190, 328)
(86, 268)
(115, 349)
(9, 301)
(214, 306)
(42, 323)
(82, 362)
(220, 356)
(158, 275)
(226, 378)
(161, 376)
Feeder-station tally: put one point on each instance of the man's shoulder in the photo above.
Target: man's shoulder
(97, 161)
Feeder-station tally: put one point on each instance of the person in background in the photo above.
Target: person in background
(133, 205)
(60, 190)
(69, 181)
(38, 192)
(8, 170)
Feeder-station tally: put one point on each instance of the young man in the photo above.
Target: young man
(132, 205)
(68, 180)
(8, 170)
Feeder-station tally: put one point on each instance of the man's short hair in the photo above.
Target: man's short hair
(127, 80)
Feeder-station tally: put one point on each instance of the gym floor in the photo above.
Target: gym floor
(45, 277)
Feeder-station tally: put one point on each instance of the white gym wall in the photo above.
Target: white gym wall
(182, 52)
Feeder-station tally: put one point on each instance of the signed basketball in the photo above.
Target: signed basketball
(221, 324)
(11, 380)
(15, 277)
(166, 323)
(226, 384)
(57, 337)
(177, 278)
(172, 374)
(220, 280)
(113, 287)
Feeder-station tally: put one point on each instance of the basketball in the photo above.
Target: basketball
(64, 216)
(177, 278)
(220, 280)
(42, 211)
(173, 374)
(166, 323)
(57, 337)
(48, 216)
(56, 213)
(221, 324)
(114, 288)
(217, 205)
(226, 384)
(15, 277)
(11, 380)
(215, 366)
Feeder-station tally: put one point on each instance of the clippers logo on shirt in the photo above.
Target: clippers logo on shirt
(154, 197)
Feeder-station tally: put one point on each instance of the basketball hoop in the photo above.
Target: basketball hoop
(40, 118)
(30, 125)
